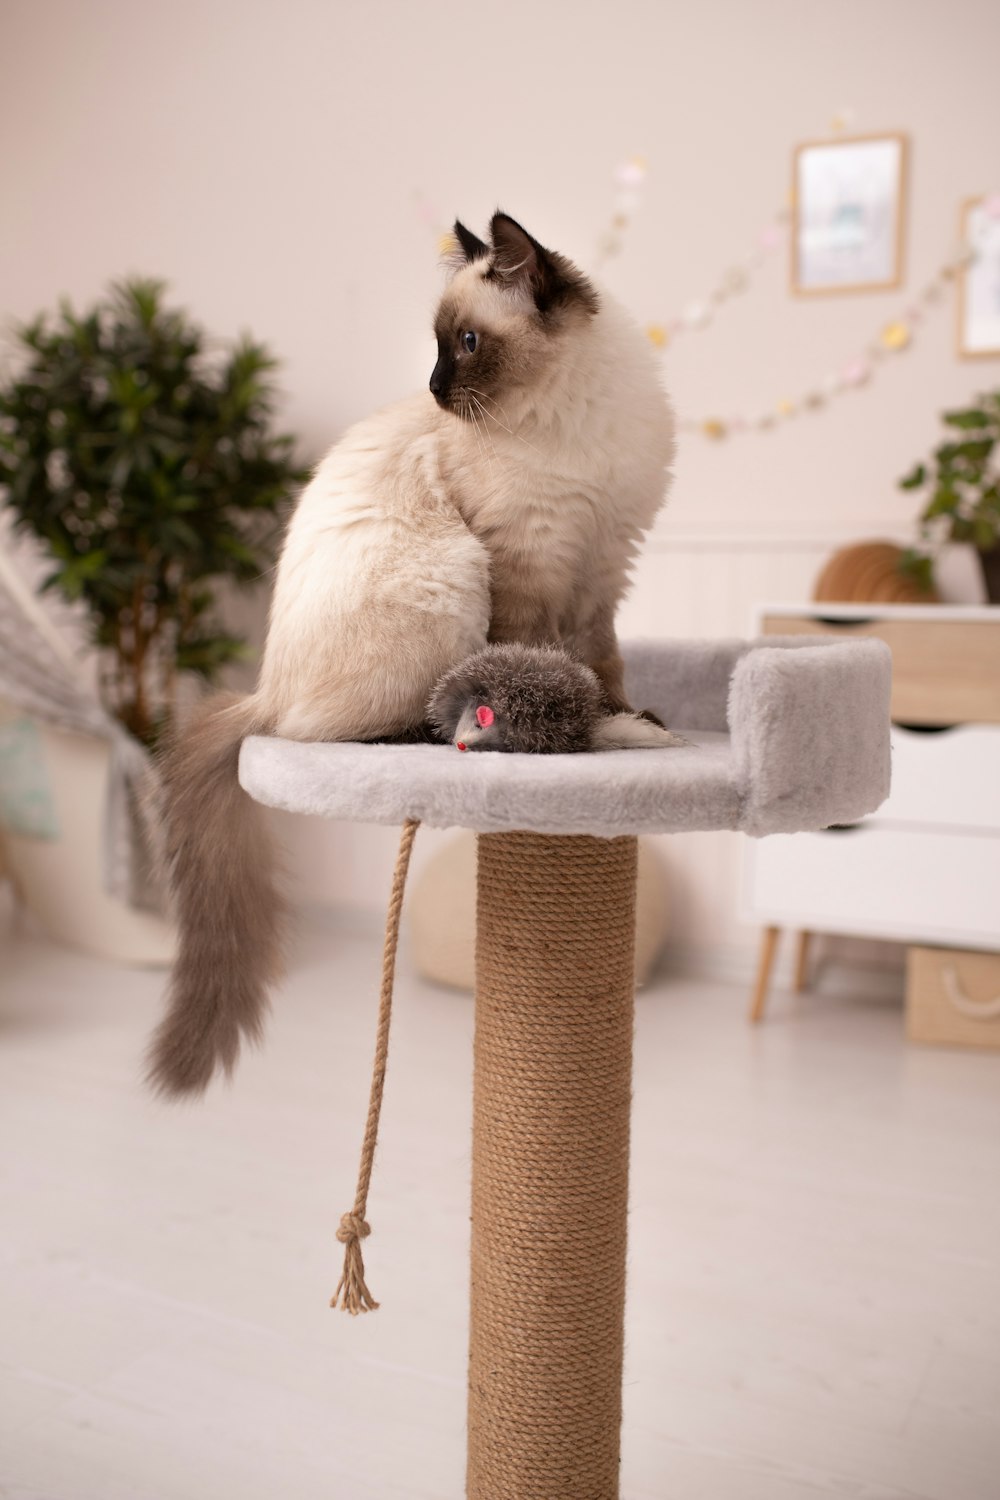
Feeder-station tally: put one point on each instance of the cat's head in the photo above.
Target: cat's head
(509, 314)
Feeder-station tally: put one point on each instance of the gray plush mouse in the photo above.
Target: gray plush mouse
(536, 699)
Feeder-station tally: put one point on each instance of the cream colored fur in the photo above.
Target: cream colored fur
(417, 518)
(629, 732)
(381, 586)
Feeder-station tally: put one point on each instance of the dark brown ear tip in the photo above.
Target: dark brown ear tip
(472, 246)
(501, 219)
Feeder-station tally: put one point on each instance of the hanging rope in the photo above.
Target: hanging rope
(352, 1294)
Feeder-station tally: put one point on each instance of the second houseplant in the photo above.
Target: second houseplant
(960, 483)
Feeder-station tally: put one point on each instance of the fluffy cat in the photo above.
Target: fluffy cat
(506, 505)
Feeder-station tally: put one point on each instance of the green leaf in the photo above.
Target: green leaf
(206, 655)
(968, 419)
(238, 550)
(977, 450)
(914, 479)
(944, 502)
(985, 533)
(919, 567)
(79, 571)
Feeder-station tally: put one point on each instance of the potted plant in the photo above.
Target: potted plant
(961, 483)
(141, 455)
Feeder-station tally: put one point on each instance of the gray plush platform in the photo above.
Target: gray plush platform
(790, 734)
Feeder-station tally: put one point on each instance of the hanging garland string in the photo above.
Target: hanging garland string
(894, 338)
(629, 178)
(773, 238)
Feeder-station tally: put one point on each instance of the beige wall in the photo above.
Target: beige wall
(265, 157)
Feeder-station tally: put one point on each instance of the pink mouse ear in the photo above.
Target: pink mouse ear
(484, 716)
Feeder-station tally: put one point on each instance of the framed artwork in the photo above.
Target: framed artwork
(979, 282)
(848, 197)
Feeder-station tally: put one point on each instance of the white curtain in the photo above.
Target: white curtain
(40, 675)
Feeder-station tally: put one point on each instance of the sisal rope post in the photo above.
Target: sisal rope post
(552, 1090)
(352, 1294)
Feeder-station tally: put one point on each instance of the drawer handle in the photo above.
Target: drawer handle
(976, 1010)
(838, 622)
(924, 728)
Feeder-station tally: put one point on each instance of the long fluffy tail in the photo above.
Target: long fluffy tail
(222, 876)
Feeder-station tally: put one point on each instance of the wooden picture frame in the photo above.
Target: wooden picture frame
(977, 327)
(848, 205)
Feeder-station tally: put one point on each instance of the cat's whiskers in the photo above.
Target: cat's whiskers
(520, 438)
(468, 411)
(487, 435)
(469, 415)
(486, 431)
(475, 391)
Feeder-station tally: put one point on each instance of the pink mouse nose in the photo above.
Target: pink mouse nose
(461, 746)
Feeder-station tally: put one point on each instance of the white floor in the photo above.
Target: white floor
(814, 1268)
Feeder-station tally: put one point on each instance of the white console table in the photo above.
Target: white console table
(924, 869)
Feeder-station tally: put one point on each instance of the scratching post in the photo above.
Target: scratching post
(787, 735)
(552, 1084)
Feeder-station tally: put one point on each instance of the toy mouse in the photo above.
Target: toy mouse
(536, 699)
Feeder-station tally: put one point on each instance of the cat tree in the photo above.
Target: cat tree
(788, 735)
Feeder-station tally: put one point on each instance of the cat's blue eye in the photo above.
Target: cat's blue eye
(470, 341)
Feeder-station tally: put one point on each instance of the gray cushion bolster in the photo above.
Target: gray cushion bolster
(809, 733)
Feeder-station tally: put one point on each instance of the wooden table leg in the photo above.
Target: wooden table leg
(768, 948)
(802, 962)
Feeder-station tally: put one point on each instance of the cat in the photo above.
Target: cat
(505, 505)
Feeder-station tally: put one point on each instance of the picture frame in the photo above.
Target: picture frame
(978, 324)
(848, 207)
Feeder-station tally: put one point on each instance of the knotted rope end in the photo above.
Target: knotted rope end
(352, 1294)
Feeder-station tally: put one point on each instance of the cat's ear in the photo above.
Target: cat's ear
(550, 279)
(460, 248)
(517, 258)
(472, 246)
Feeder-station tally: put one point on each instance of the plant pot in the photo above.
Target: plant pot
(990, 564)
(57, 869)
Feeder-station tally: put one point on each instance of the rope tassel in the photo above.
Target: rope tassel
(352, 1294)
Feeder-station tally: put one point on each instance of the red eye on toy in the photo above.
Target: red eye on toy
(484, 716)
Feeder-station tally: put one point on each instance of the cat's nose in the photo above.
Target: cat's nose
(439, 380)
